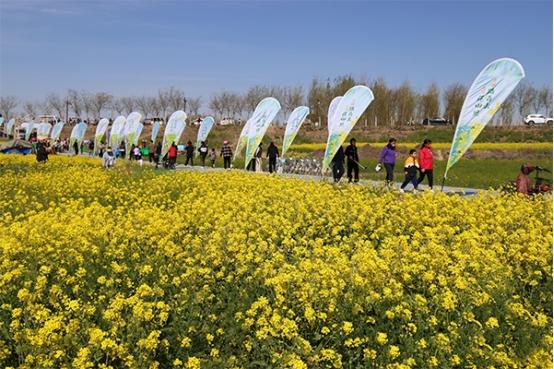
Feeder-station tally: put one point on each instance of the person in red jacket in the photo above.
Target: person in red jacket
(523, 182)
(426, 163)
(172, 155)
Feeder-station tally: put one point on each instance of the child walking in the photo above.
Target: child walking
(411, 166)
(212, 156)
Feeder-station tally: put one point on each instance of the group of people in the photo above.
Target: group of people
(387, 159)
(272, 154)
(204, 152)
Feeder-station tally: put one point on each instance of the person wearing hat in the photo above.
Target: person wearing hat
(108, 159)
(226, 153)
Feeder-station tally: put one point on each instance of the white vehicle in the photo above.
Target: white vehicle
(225, 121)
(153, 120)
(52, 119)
(532, 119)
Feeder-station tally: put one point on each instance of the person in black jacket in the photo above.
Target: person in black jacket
(189, 152)
(351, 153)
(338, 164)
(158, 154)
(272, 154)
(42, 152)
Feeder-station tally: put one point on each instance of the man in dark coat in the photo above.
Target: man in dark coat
(272, 154)
(42, 152)
(189, 153)
(338, 164)
(351, 153)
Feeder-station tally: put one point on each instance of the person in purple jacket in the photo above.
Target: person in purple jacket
(388, 158)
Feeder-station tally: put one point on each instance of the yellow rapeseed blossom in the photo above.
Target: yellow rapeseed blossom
(136, 268)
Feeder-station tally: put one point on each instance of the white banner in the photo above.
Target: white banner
(173, 130)
(266, 110)
(294, 122)
(131, 130)
(332, 110)
(485, 96)
(203, 131)
(243, 138)
(351, 107)
(100, 130)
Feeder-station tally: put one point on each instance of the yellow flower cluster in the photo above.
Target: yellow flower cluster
(109, 268)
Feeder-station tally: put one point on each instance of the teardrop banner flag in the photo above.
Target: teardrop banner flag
(1, 121)
(138, 130)
(118, 123)
(43, 130)
(351, 107)
(266, 110)
(100, 130)
(173, 130)
(9, 127)
(332, 111)
(486, 94)
(131, 126)
(28, 130)
(243, 138)
(294, 122)
(204, 130)
(77, 134)
(155, 130)
(56, 131)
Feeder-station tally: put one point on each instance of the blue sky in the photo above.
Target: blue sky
(136, 47)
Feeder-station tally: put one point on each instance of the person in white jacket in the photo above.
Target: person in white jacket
(258, 157)
(108, 159)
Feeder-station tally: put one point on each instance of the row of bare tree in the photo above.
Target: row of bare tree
(391, 106)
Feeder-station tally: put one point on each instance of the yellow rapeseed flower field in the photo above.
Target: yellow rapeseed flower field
(116, 268)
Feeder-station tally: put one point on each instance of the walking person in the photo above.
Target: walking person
(144, 150)
(137, 153)
(152, 152)
(172, 155)
(226, 153)
(258, 158)
(212, 155)
(203, 150)
(388, 158)
(338, 164)
(351, 154)
(272, 154)
(411, 166)
(189, 151)
(158, 154)
(426, 163)
(122, 150)
(101, 148)
(91, 147)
